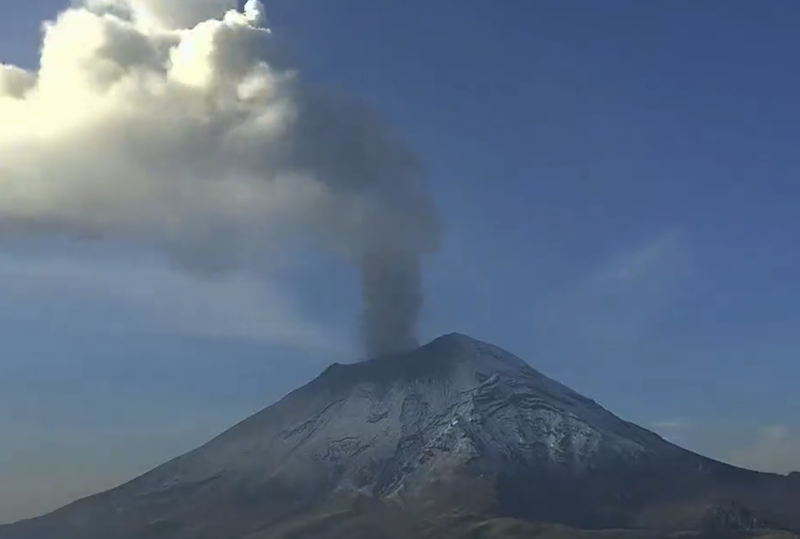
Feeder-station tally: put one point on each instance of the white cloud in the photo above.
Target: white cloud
(663, 254)
(179, 126)
(152, 134)
(46, 466)
(675, 430)
(622, 299)
(775, 448)
(174, 14)
(767, 448)
(671, 424)
(150, 298)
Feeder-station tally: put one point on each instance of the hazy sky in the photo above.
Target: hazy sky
(618, 187)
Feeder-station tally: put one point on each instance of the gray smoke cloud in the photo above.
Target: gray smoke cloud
(179, 125)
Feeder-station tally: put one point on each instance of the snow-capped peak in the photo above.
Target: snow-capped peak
(453, 401)
(409, 429)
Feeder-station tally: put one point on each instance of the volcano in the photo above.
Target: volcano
(453, 436)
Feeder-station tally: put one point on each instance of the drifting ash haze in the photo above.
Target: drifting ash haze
(177, 124)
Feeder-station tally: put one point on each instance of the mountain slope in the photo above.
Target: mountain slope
(454, 425)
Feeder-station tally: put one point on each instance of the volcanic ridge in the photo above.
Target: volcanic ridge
(456, 438)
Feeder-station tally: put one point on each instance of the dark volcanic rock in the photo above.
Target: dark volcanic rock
(454, 425)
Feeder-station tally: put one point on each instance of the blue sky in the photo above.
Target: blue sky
(617, 182)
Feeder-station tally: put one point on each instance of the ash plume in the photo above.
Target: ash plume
(180, 126)
(392, 301)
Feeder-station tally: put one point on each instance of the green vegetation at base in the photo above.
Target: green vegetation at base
(358, 525)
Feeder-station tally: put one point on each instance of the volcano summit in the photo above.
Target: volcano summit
(455, 433)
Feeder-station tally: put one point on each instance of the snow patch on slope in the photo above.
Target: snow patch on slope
(395, 424)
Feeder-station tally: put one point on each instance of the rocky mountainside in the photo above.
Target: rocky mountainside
(456, 427)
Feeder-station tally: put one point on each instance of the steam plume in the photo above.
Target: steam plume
(177, 124)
